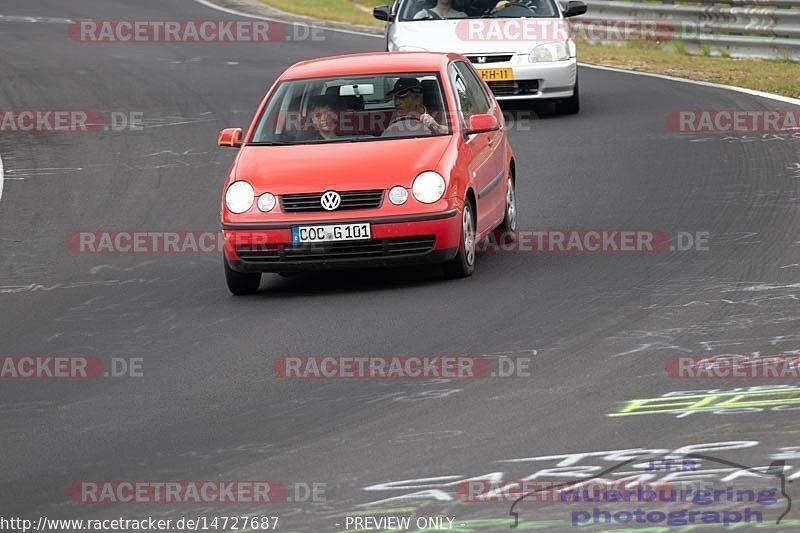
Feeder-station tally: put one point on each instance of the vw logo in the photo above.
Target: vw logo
(331, 201)
(481, 59)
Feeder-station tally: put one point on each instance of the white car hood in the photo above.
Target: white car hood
(448, 36)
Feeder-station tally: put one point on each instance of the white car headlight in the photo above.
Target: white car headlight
(428, 187)
(239, 197)
(398, 195)
(550, 52)
(266, 202)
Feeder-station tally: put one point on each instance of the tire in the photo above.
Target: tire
(572, 105)
(509, 223)
(463, 264)
(241, 283)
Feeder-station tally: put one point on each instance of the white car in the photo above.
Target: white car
(521, 48)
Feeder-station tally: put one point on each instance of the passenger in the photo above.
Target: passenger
(325, 115)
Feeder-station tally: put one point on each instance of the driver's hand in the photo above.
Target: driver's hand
(430, 123)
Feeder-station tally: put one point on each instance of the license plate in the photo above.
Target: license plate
(496, 74)
(331, 233)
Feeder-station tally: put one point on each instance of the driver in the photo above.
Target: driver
(411, 117)
(442, 10)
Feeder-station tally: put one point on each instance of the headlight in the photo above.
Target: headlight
(239, 197)
(266, 202)
(550, 52)
(398, 195)
(428, 187)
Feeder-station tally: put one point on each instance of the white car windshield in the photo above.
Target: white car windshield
(354, 109)
(419, 10)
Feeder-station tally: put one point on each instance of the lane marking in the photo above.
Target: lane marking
(1, 178)
(230, 11)
(751, 92)
(20, 18)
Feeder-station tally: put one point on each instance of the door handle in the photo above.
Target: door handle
(490, 141)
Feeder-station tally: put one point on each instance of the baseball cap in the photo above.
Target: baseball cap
(403, 85)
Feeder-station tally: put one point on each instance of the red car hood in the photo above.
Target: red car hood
(339, 165)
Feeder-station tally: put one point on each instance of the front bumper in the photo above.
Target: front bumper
(396, 241)
(535, 81)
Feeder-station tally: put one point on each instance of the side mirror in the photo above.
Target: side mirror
(382, 13)
(482, 124)
(230, 137)
(574, 8)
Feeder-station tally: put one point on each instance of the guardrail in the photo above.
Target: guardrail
(767, 29)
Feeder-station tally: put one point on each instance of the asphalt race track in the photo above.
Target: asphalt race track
(598, 327)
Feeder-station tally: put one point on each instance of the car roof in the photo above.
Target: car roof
(370, 63)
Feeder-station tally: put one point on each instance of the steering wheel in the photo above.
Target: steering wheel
(514, 3)
(433, 15)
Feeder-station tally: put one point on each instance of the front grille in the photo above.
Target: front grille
(490, 59)
(352, 250)
(305, 203)
(514, 88)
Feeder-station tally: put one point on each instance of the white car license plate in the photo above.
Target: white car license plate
(496, 74)
(331, 233)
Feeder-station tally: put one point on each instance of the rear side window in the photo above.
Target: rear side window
(474, 88)
(469, 91)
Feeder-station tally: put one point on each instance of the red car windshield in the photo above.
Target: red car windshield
(354, 109)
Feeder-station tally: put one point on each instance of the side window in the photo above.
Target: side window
(475, 90)
(465, 104)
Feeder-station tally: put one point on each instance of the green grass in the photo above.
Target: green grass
(781, 77)
(352, 11)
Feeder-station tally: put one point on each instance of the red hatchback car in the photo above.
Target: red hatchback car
(365, 160)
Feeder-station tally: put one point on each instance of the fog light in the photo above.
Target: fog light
(266, 202)
(398, 195)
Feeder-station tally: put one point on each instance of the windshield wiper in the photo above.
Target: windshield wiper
(271, 143)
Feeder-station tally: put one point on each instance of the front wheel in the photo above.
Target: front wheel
(572, 105)
(463, 264)
(509, 223)
(241, 283)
